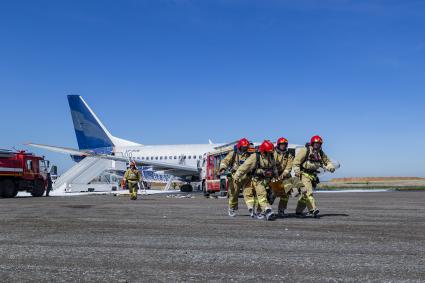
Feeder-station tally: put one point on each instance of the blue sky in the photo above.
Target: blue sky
(161, 72)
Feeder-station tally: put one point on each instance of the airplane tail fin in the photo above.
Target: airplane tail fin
(91, 133)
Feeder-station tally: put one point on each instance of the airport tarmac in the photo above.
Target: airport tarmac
(361, 237)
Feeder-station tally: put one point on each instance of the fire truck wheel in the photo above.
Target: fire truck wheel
(38, 189)
(186, 188)
(7, 189)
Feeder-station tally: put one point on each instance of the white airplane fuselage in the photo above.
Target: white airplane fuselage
(184, 154)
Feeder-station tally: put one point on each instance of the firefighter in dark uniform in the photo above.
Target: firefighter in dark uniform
(49, 184)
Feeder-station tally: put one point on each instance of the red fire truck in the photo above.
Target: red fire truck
(213, 182)
(22, 171)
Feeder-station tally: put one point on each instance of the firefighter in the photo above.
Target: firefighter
(284, 184)
(49, 184)
(306, 163)
(229, 165)
(132, 178)
(262, 167)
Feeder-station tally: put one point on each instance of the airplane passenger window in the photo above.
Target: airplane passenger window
(184, 157)
(160, 158)
(200, 157)
(190, 157)
(175, 157)
(165, 157)
(156, 157)
(194, 157)
(171, 157)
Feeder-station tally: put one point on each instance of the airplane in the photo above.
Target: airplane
(94, 140)
(184, 161)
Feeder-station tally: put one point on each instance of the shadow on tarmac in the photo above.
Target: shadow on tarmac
(293, 215)
(333, 215)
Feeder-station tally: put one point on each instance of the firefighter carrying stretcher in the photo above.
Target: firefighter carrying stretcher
(306, 165)
(284, 184)
(229, 165)
(262, 167)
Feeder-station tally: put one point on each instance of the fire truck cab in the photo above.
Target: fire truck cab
(212, 181)
(22, 171)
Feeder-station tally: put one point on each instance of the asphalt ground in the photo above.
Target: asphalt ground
(361, 237)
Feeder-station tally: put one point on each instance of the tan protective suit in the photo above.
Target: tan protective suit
(259, 181)
(306, 167)
(283, 185)
(132, 177)
(232, 161)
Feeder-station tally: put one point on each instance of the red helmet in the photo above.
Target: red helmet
(242, 143)
(266, 146)
(281, 140)
(317, 139)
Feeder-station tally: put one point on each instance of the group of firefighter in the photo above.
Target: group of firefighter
(264, 174)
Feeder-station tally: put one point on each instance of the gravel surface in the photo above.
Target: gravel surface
(360, 237)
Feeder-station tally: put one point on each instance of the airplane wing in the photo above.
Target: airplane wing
(172, 169)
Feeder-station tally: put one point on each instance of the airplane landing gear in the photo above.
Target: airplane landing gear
(186, 188)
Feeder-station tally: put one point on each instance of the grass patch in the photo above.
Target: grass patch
(395, 188)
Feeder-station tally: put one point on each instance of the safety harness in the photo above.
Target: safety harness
(233, 159)
(286, 155)
(312, 174)
(273, 167)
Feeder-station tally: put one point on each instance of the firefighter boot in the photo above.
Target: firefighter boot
(283, 202)
(281, 213)
(313, 213)
(260, 216)
(301, 205)
(133, 196)
(252, 213)
(232, 212)
(269, 215)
